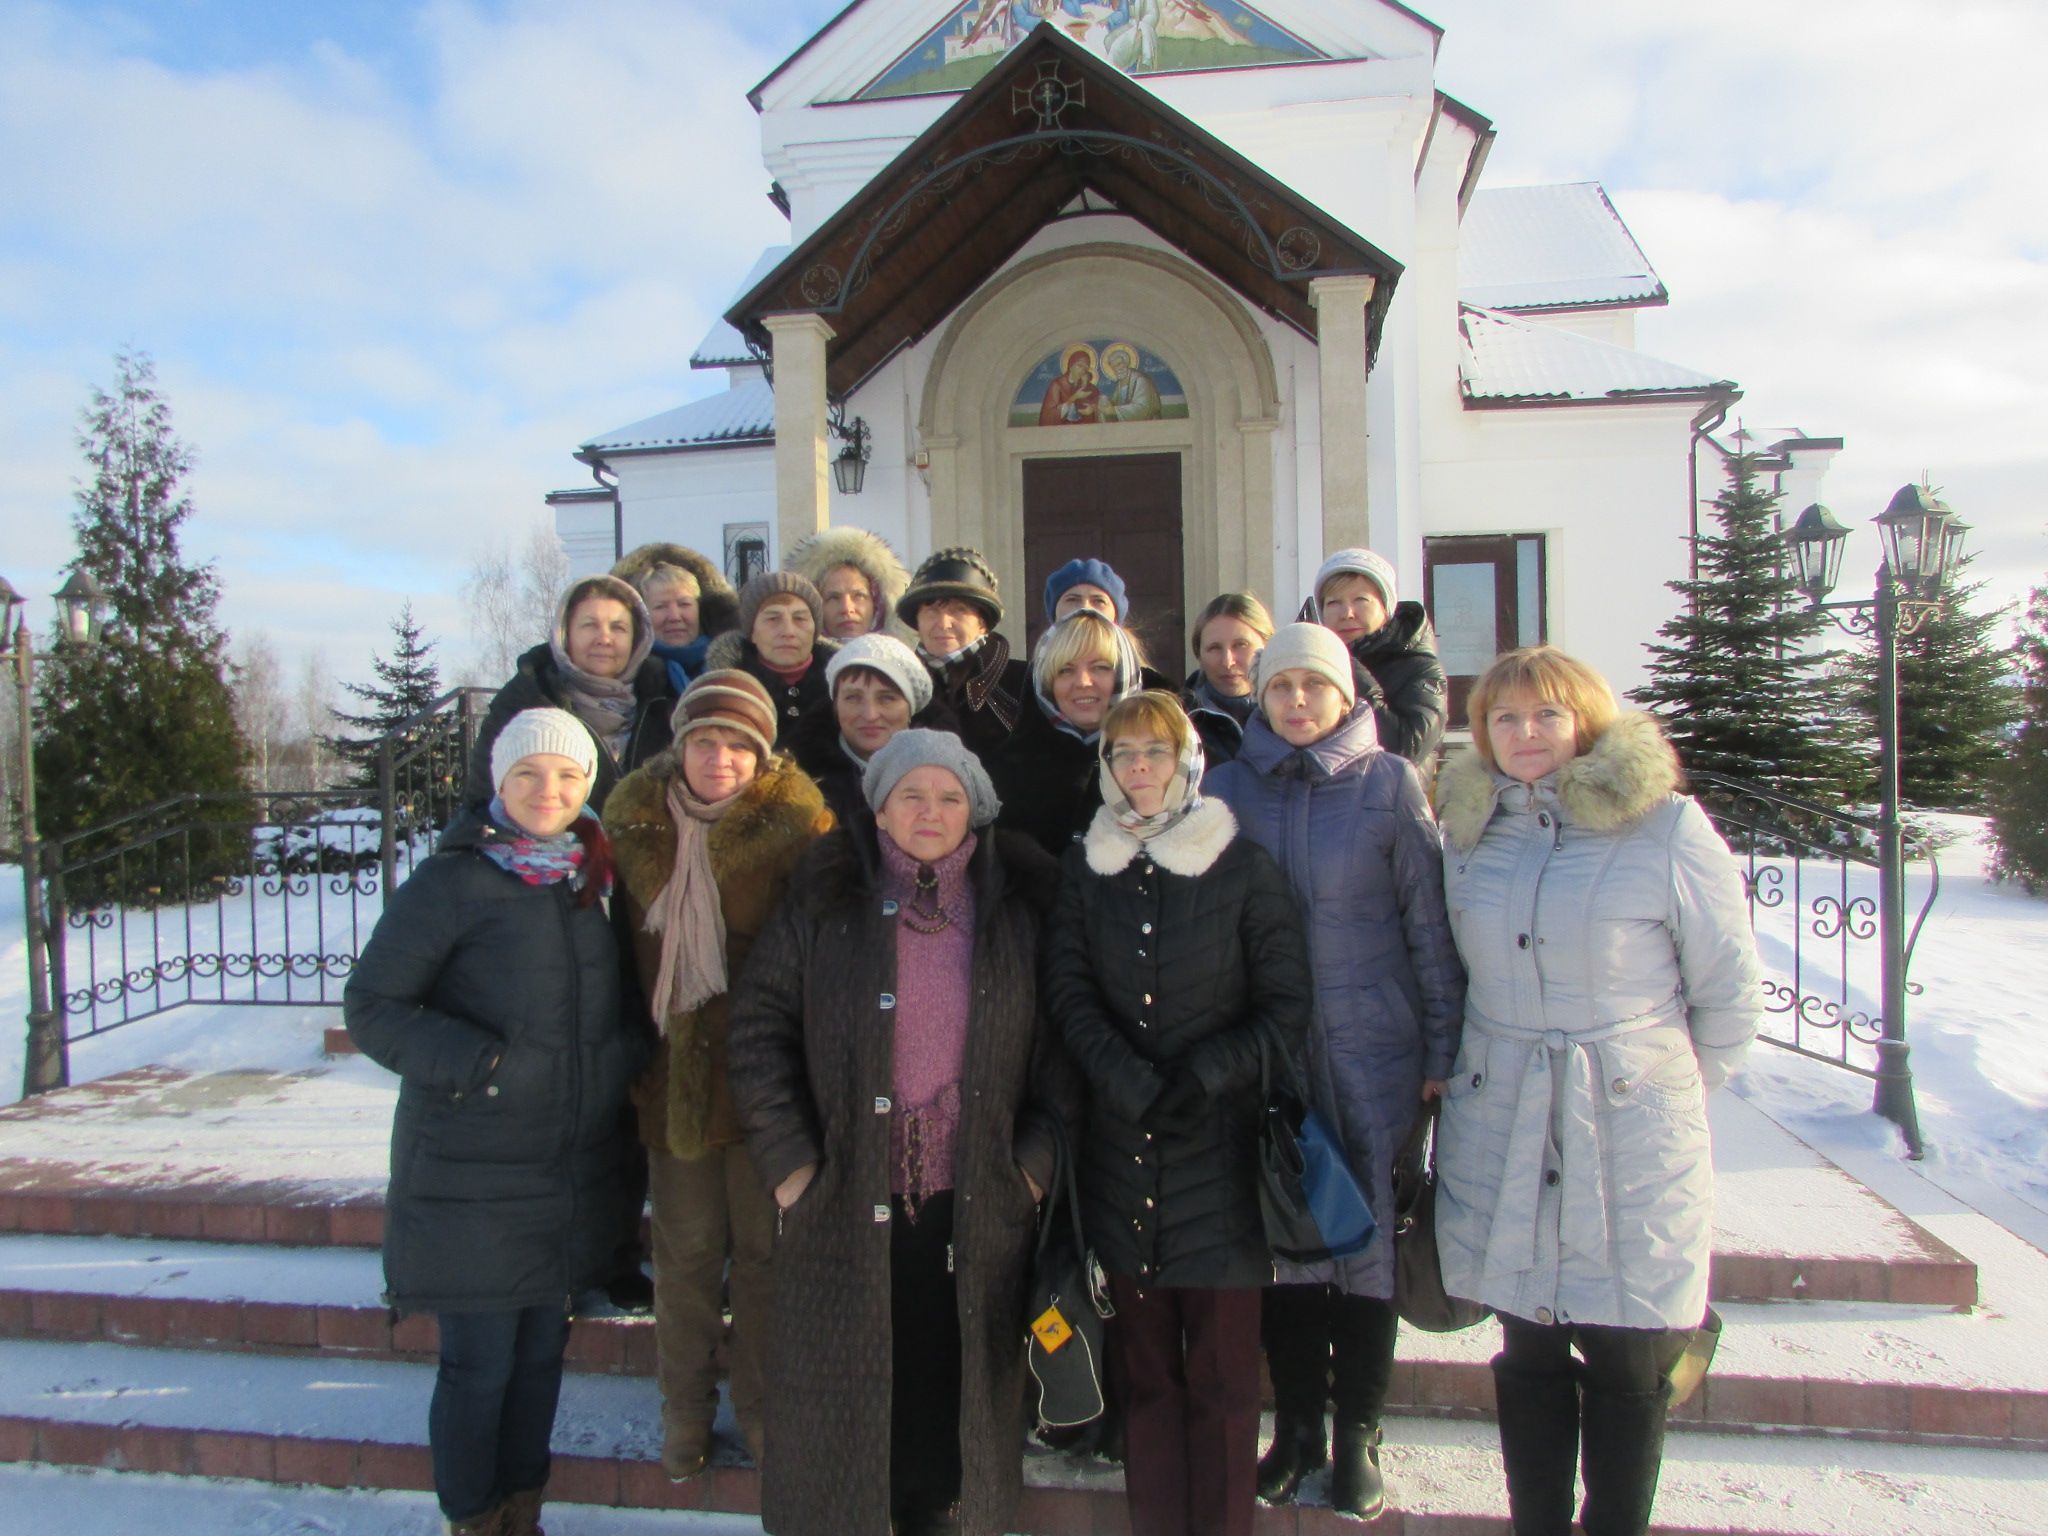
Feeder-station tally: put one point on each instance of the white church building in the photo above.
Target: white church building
(1205, 290)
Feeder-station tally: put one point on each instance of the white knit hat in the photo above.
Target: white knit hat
(1376, 569)
(890, 657)
(1309, 647)
(534, 731)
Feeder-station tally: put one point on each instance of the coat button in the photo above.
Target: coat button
(492, 1091)
(1550, 1177)
(1141, 954)
(882, 1106)
(881, 1213)
(888, 1001)
(890, 909)
(1621, 1085)
(1477, 1078)
(1521, 941)
(1148, 997)
(1144, 927)
(1543, 820)
(1148, 1202)
(1543, 1315)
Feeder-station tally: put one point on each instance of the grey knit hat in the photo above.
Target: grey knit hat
(534, 731)
(1377, 569)
(778, 584)
(931, 749)
(890, 657)
(1309, 647)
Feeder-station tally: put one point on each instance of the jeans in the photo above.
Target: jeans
(493, 1408)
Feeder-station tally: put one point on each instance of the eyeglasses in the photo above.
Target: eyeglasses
(1156, 755)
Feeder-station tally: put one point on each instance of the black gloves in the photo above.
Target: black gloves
(1182, 1105)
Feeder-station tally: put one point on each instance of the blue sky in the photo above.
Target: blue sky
(396, 258)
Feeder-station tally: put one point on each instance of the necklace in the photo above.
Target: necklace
(924, 904)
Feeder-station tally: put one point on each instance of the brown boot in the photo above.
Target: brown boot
(685, 1449)
(522, 1513)
(490, 1523)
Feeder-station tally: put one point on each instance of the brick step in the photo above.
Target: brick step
(337, 1041)
(360, 1424)
(198, 1296)
(243, 1213)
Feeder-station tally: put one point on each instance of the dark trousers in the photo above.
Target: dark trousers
(1322, 1344)
(1616, 1359)
(493, 1407)
(1188, 1363)
(924, 1336)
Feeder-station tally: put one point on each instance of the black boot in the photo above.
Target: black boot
(1298, 1449)
(1356, 1487)
(1538, 1413)
(1623, 1450)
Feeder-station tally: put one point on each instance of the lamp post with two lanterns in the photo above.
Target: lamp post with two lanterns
(1922, 540)
(80, 605)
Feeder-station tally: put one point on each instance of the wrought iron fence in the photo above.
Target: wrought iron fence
(1811, 877)
(246, 898)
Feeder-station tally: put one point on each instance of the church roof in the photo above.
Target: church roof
(732, 417)
(722, 346)
(1047, 123)
(1508, 360)
(1548, 248)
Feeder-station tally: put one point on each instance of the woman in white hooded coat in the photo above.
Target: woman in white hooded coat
(1612, 982)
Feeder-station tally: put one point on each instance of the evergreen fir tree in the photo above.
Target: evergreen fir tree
(1738, 682)
(2019, 789)
(1955, 704)
(146, 714)
(429, 761)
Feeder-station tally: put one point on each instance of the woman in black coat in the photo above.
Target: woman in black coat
(491, 987)
(1174, 959)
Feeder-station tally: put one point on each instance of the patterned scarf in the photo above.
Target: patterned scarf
(536, 860)
(1183, 795)
(688, 914)
(982, 664)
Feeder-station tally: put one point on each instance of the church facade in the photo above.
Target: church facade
(1207, 291)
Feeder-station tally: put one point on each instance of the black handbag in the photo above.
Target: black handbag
(1068, 1306)
(1312, 1205)
(1419, 1294)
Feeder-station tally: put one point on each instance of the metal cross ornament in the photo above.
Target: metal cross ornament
(1048, 97)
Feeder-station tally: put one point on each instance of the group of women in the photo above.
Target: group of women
(812, 915)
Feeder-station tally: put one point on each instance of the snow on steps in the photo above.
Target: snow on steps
(351, 1423)
(302, 1158)
(1911, 1373)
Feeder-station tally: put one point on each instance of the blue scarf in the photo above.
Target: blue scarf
(685, 662)
(536, 860)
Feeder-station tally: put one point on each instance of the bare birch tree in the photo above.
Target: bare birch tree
(262, 709)
(512, 599)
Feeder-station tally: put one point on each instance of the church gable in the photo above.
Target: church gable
(1140, 37)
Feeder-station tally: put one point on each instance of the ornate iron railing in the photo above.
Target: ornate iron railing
(1811, 877)
(246, 898)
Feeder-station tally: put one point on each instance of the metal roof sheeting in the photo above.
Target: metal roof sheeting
(1508, 358)
(743, 414)
(722, 346)
(1555, 247)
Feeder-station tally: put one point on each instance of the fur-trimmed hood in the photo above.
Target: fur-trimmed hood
(1189, 847)
(1628, 772)
(779, 810)
(730, 650)
(718, 606)
(813, 556)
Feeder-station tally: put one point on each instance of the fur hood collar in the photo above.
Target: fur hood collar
(733, 649)
(718, 606)
(1190, 847)
(869, 553)
(1629, 772)
(780, 808)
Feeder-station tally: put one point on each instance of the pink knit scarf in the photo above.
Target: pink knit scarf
(934, 983)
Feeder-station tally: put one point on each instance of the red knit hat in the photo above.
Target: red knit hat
(732, 699)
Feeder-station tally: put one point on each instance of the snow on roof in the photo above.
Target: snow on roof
(722, 346)
(1507, 358)
(1555, 247)
(743, 414)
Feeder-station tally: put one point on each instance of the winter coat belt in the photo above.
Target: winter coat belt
(1583, 1210)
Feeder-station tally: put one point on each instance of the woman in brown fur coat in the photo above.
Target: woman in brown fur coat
(705, 837)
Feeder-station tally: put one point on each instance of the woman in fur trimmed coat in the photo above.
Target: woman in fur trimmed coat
(1176, 962)
(1613, 981)
(859, 578)
(705, 837)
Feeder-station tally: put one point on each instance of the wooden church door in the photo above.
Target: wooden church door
(1121, 508)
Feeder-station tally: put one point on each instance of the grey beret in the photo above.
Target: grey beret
(931, 749)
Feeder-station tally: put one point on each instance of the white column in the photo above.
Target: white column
(1340, 304)
(803, 459)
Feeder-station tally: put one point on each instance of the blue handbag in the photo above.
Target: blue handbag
(1313, 1207)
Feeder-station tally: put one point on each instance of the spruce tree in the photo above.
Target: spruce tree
(1955, 703)
(1738, 681)
(2019, 788)
(147, 713)
(408, 681)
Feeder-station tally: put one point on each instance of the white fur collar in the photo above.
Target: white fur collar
(1188, 848)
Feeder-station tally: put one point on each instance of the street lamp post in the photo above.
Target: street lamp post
(1922, 540)
(79, 604)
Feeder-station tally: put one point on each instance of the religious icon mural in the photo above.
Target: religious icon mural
(1141, 37)
(1088, 383)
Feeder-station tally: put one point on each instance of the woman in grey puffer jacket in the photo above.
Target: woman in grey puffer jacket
(1348, 825)
(1613, 981)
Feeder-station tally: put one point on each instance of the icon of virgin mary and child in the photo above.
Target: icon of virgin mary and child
(1124, 393)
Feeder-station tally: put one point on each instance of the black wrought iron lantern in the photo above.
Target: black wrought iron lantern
(850, 469)
(1914, 531)
(80, 607)
(1817, 541)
